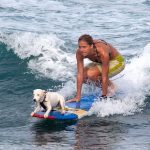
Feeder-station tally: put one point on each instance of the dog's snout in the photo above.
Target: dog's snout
(34, 100)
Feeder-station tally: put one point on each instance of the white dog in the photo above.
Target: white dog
(47, 100)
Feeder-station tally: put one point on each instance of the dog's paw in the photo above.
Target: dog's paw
(63, 112)
(45, 115)
(32, 114)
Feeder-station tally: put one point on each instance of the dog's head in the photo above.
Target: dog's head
(38, 95)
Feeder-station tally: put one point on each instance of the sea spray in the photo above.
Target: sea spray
(45, 57)
(135, 85)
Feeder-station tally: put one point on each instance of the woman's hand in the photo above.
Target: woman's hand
(73, 100)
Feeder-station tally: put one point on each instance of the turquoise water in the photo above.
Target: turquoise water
(37, 50)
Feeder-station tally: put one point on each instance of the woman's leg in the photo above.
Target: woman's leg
(111, 88)
(94, 74)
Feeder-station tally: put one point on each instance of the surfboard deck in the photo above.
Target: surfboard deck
(73, 110)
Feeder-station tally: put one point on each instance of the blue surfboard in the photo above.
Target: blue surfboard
(74, 110)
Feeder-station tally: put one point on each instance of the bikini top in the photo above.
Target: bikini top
(97, 55)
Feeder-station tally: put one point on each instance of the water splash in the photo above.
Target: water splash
(46, 57)
(135, 85)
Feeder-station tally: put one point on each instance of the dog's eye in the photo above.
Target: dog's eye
(38, 94)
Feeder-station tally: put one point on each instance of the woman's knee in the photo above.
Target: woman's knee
(92, 75)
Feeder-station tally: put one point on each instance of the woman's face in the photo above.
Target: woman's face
(84, 48)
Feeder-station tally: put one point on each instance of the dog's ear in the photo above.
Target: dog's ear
(35, 90)
(44, 91)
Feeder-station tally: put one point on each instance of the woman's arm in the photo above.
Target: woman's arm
(105, 70)
(80, 72)
(104, 57)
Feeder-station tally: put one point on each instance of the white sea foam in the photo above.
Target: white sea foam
(49, 60)
(135, 85)
(46, 58)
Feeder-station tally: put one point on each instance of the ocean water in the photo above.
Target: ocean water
(38, 40)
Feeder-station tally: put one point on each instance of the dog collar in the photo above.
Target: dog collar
(42, 103)
(44, 97)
